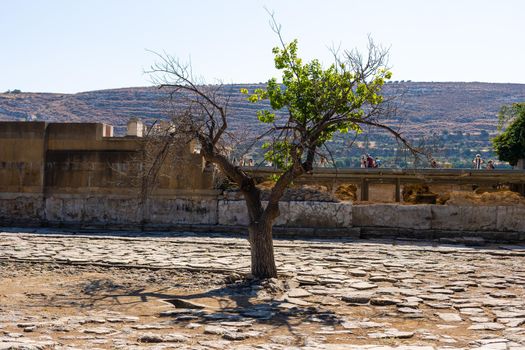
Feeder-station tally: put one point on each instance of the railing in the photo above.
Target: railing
(363, 177)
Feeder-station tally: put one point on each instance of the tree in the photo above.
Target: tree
(510, 144)
(308, 107)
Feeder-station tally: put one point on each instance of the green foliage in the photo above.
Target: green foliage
(319, 101)
(265, 116)
(15, 91)
(278, 153)
(510, 144)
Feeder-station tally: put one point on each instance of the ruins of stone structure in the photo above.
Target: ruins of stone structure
(80, 174)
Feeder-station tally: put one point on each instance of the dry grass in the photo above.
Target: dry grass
(346, 192)
(504, 197)
(412, 193)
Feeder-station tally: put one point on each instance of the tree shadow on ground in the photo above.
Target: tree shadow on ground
(235, 307)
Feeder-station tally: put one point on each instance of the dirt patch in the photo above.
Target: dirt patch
(111, 308)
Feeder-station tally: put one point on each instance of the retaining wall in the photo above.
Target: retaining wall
(22, 209)
(293, 214)
(206, 209)
(441, 217)
(392, 220)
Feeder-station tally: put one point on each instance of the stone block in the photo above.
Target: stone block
(95, 210)
(417, 217)
(464, 218)
(445, 217)
(19, 208)
(71, 209)
(126, 210)
(232, 213)
(319, 214)
(511, 218)
(292, 214)
(478, 218)
(182, 211)
(379, 215)
(53, 208)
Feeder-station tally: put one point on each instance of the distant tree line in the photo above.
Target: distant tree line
(15, 91)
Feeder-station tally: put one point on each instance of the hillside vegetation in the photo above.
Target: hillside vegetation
(455, 120)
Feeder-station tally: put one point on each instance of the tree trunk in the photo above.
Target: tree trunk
(261, 243)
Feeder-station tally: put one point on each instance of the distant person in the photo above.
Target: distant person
(369, 161)
(363, 161)
(377, 163)
(477, 161)
(250, 162)
(323, 161)
(490, 165)
(434, 164)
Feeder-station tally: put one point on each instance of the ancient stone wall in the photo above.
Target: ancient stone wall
(70, 173)
(441, 217)
(293, 214)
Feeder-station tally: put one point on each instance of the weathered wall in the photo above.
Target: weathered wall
(22, 150)
(127, 211)
(69, 173)
(293, 214)
(441, 217)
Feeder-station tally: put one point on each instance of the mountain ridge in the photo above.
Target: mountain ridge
(435, 103)
(437, 110)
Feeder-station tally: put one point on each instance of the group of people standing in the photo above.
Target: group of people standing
(367, 161)
(477, 163)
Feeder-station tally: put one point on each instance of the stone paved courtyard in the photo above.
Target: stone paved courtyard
(61, 291)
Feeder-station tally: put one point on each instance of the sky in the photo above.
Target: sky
(71, 46)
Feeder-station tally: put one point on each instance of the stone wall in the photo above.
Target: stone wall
(71, 173)
(18, 209)
(293, 214)
(441, 217)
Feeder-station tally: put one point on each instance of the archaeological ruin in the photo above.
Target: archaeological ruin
(80, 175)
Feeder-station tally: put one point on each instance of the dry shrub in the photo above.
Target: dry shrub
(313, 187)
(346, 192)
(266, 185)
(443, 198)
(412, 193)
(504, 197)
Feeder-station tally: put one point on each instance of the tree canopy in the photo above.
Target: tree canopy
(320, 101)
(510, 144)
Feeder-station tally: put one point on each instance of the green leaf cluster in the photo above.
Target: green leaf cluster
(278, 153)
(510, 144)
(319, 101)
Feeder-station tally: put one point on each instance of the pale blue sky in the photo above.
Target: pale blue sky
(73, 45)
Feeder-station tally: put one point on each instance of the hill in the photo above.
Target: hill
(453, 116)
